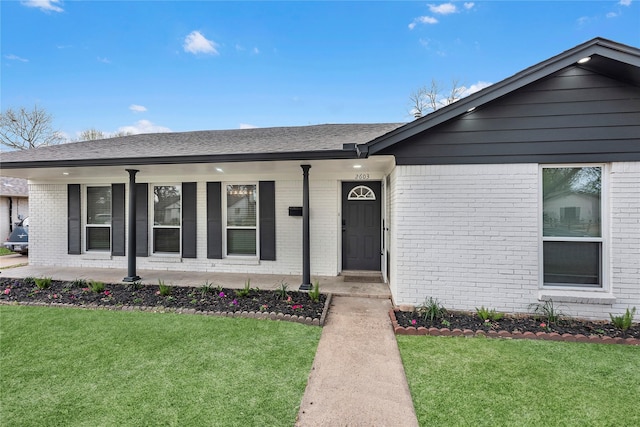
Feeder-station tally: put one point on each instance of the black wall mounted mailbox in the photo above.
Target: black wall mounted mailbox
(295, 210)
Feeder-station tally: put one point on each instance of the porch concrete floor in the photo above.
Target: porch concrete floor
(328, 284)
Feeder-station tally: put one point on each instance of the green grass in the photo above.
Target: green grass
(491, 382)
(5, 251)
(110, 368)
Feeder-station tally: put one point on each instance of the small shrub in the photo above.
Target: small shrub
(282, 290)
(207, 288)
(30, 280)
(314, 294)
(485, 314)
(546, 311)
(431, 309)
(135, 285)
(43, 283)
(96, 286)
(244, 292)
(165, 290)
(80, 283)
(623, 321)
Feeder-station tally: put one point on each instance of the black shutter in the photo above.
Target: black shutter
(189, 239)
(267, 199)
(142, 220)
(214, 220)
(117, 220)
(74, 220)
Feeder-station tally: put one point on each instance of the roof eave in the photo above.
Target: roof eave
(171, 160)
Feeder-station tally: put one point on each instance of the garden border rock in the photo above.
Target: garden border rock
(160, 309)
(549, 336)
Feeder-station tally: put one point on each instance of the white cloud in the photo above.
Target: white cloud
(16, 58)
(137, 108)
(196, 43)
(44, 5)
(611, 15)
(469, 5)
(104, 60)
(476, 87)
(443, 9)
(143, 126)
(247, 126)
(423, 20)
(624, 2)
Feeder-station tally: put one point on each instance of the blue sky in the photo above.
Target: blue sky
(154, 66)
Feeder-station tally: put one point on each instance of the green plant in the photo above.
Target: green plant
(314, 293)
(623, 321)
(80, 283)
(136, 285)
(207, 288)
(485, 314)
(43, 283)
(96, 286)
(431, 309)
(282, 290)
(546, 311)
(244, 292)
(29, 280)
(165, 290)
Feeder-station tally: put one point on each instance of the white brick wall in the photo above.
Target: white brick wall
(468, 236)
(49, 234)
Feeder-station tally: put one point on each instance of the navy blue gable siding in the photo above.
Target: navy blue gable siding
(574, 115)
(74, 220)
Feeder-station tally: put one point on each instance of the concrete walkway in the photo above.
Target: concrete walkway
(357, 378)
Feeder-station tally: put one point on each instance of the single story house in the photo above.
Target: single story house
(14, 203)
(526, 191)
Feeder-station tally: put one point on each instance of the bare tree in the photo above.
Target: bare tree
(430, 98)
(22, 129)
(92, 134)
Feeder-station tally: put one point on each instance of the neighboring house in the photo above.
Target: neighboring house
(525, 191)
(14, 203)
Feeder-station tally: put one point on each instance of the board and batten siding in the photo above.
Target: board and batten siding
(573, 115)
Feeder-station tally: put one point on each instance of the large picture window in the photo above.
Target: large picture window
(167, 216)
(98, 219)
(572, 226)
(241, 225)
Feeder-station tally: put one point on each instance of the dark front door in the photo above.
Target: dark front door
(361, 226)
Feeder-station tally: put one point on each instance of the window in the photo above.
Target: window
(98, 225)
(167, 216)
(241, 222)
(361, 192)
(572, 226)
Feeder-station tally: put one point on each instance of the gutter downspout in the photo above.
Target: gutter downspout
(131, 243)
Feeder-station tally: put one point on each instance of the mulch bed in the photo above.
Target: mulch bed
(517, 327)
(210, 300)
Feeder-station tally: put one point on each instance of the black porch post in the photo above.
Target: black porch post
(306, 260)
(131, 244)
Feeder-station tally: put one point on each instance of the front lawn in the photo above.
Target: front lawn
(490, 382)
(96, 367)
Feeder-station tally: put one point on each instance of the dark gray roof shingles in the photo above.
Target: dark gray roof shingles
(209, 143)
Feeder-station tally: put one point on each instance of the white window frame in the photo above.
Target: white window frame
(88, 225)
(226, 227)
(153, 226)
(604, 230)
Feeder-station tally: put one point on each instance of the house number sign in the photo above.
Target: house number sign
(362, 176)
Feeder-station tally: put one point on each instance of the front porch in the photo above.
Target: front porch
(328, 284)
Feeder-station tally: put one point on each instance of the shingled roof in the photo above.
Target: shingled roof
(317, 141)
(13, 187)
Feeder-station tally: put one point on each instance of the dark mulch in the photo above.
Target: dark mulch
(204, 299)
(521, 323)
